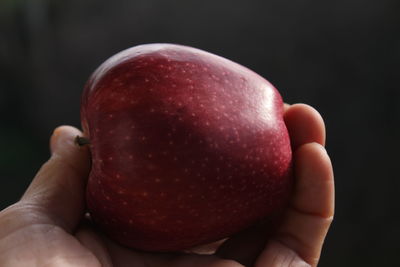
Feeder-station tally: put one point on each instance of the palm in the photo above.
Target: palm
(50, 245)
(46, 227)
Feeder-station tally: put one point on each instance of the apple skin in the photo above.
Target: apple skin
(187, 147)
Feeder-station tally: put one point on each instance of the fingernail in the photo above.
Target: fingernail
(54, 141)
(322, 147)
(62, 140)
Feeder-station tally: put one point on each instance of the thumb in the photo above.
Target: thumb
(58, 189)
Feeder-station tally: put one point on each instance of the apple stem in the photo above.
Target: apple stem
(81, 141)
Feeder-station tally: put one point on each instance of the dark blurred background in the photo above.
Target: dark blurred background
(342, 57)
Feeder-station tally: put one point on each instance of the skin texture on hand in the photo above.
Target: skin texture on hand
(47, 227)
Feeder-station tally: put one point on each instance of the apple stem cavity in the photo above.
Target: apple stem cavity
(81, 141)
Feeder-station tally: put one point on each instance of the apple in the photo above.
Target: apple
(187, 147)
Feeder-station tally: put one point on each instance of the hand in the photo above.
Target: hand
(47, 227)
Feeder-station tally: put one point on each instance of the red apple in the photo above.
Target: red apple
(187, 147)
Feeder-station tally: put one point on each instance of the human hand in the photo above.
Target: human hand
(47, 227)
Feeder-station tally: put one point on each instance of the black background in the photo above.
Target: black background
(342, 57)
